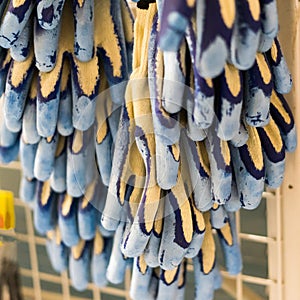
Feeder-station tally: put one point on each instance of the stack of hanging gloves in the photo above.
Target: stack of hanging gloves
(204, 127)
(60, 58)
(150, 196)
(206, 151)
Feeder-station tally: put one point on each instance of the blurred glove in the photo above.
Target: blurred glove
(45, 208)
(87, 212)
(117, 265)
(57, 251)
(230, 246)
(45, 157)
(100, 258)
(81, 165)
(80, 264)
(67, 219)
(17, 86)
(58, 176)
(207, 278)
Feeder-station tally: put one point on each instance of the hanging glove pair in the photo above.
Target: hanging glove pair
(234, 31)
(65, 87)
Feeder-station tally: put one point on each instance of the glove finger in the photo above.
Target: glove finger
(128, 22)
(175, 242)
(204, 265)
(114, 113)
(85, 88)
(281, 75)
(79, 264)
(205, 284)
(119, 175)
(259, 86)
(220, 167)
(151, 253)
(203, 110)
(215, 22)
(7, 138)
(48, 99)
(249, 169)
(27, 190)
(104, 142)
(45, 208)
(231, 249)
(181, 281)
(46, 47)
(101, 253)
(140, 279)
(14, 21)
(9, 154)
(218, 216)
(206, 256)
(174, 20)
(84, 29)
(117, 263)
(57, 251)
(167, 160)
(165, 125)
(283, 117)
(168, 283)
(44, 159)
(142, 226)
(16, 91)
(246, 34)
(27, 158)
(21, 48)
(58, 175)
(64, 119)
(86, 215)
(196, 163)
(112, 52)
(241, 137)
(67, 219)
(5, 62)
(49, 13)
(228, 102)
(80, 162)
(233, 204)
(199, 231)
(174, 80)
(29, 130)
(274, 153)
(269, 24)
(193, 129)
